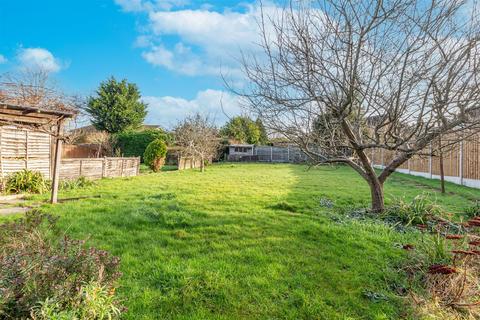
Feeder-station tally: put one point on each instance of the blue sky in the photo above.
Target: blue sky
(174, 50)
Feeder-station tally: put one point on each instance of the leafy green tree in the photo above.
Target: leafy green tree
(116, 106)
(246, 130)
(263, 132)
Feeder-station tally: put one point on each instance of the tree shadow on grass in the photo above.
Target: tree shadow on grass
(249, 242)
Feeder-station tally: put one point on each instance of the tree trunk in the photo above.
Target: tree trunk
(202, 165)
(442, 173)
(376, 190)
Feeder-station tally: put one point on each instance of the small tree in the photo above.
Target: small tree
(105, 143)
(198, 138)
(116, 106)
(243, 129)
(408, 69)
(155, 153)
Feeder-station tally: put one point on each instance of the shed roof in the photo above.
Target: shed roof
(60, 111)
(32, 116)
(35, 104)
(242, 145)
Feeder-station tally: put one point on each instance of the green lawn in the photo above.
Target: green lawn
(249, 241)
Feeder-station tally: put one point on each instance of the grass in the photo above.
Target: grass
(249, 241)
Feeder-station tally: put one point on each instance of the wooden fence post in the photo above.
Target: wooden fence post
(80, 168)
(57, 163)
(104, 167)
(430, 163)
(123, 167)
(271, 154)
(460, 162)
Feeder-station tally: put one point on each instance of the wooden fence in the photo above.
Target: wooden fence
(85, 150)
(461, 163)
(188, 163)
(24, 149)
(97, 168)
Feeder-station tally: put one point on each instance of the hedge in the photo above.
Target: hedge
(134, 143)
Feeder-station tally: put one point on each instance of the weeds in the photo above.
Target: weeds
(419, 211)
(447, 266)
(326, 203)
(81, 182)
(472, 211)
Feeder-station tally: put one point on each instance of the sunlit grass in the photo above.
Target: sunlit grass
(248, 241)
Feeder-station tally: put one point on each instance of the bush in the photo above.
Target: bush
(155, 154)
(49, 275)
(134, 143)
(26, 181)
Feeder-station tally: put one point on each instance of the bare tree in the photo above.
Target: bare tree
(382, 74)
(35, 88)
(198, 137)
(105, 142)
(31, 87)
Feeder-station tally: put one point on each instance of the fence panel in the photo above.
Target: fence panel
(188, 163)
(24, 149)
(81, 151)
(461, 163)
(279, 154)
(97, 168)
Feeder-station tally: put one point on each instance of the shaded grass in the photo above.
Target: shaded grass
(248, 241)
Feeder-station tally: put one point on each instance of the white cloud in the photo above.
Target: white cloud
(183, 60)
(159, 56)
(3, 59)
(167, 111)
(205, 42)
(209, 41)
(211, 30)
(131, 5)
(142, 5)
(143, 41)
(38, 58)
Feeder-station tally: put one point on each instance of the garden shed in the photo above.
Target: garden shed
(240, 151)
(31, 138)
